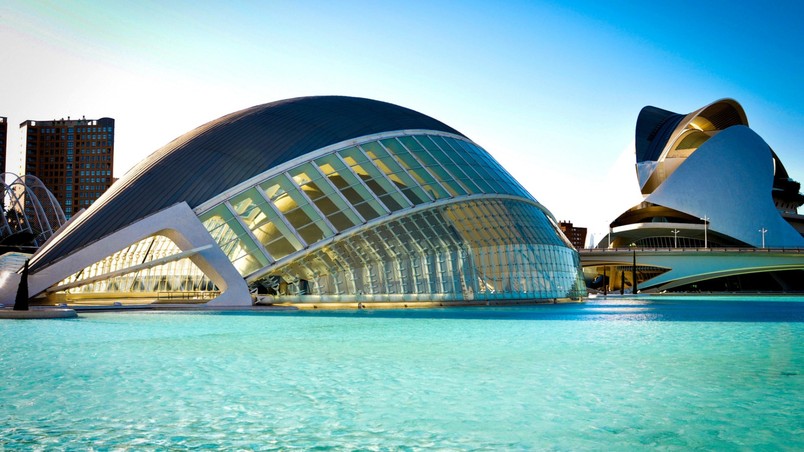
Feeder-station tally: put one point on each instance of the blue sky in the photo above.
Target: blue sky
(551, 89)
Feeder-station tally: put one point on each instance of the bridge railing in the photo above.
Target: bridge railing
(693, 250)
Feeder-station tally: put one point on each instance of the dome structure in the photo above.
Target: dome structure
(314, 199)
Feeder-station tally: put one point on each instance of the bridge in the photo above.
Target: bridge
(661, 269)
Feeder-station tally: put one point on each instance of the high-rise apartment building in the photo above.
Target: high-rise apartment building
(73, 158)
(576, 236)
(3, 141)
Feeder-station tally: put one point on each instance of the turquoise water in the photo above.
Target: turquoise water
(609, 374)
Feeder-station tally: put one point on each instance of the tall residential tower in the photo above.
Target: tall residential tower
(73, 158)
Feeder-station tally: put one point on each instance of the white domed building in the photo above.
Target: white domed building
(312, 200)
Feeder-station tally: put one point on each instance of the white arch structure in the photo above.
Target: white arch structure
(29, 207)
(667, 269)
(178, 224)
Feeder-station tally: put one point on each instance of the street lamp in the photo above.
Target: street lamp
(675, 237)
(763, 231)
(705, 220)
(634, 290)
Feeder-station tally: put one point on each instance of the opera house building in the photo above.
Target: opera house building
(719, 210)
(310, 200)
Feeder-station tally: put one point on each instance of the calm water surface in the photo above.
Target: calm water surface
(606, 375)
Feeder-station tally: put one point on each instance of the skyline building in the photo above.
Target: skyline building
(312, 201)
(576, 235)
(73, 158)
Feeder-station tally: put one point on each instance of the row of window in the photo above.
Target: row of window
(96, 173)
(55, 180)
(54, 139)
(87, 202)
(49, 130)
(84, 150)
(55, 185)
(56, 162)
(58, 145)
(87, 188)
(90, 137)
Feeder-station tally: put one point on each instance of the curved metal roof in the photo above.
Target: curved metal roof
(722, 114)
(225, 152)
(655, 126)
(653, 129)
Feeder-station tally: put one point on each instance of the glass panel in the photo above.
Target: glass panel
(297, 209)
(280, 248)
(439, 149)
(325, 197)
(366, 210)
(442, 175)
(394, 171)
(414, 167)
(375, 180)
(265, 224)
(298, 218)
(467, 163)
(341, 220)
(410, 143)
(350, 187)
(233, 240)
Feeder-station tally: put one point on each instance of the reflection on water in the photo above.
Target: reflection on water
(610, 374)
(676, 309)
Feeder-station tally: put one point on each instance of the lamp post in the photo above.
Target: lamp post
(763, 231)
(706, 223)
(675, 237)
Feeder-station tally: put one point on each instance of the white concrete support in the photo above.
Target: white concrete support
(179, 224)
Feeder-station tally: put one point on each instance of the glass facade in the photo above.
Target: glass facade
(155, 274)
(396, 217)
(408, 217)
(477, 250)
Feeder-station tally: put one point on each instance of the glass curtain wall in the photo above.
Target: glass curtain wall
(480, 250)
(266, 230)
(166, 279)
